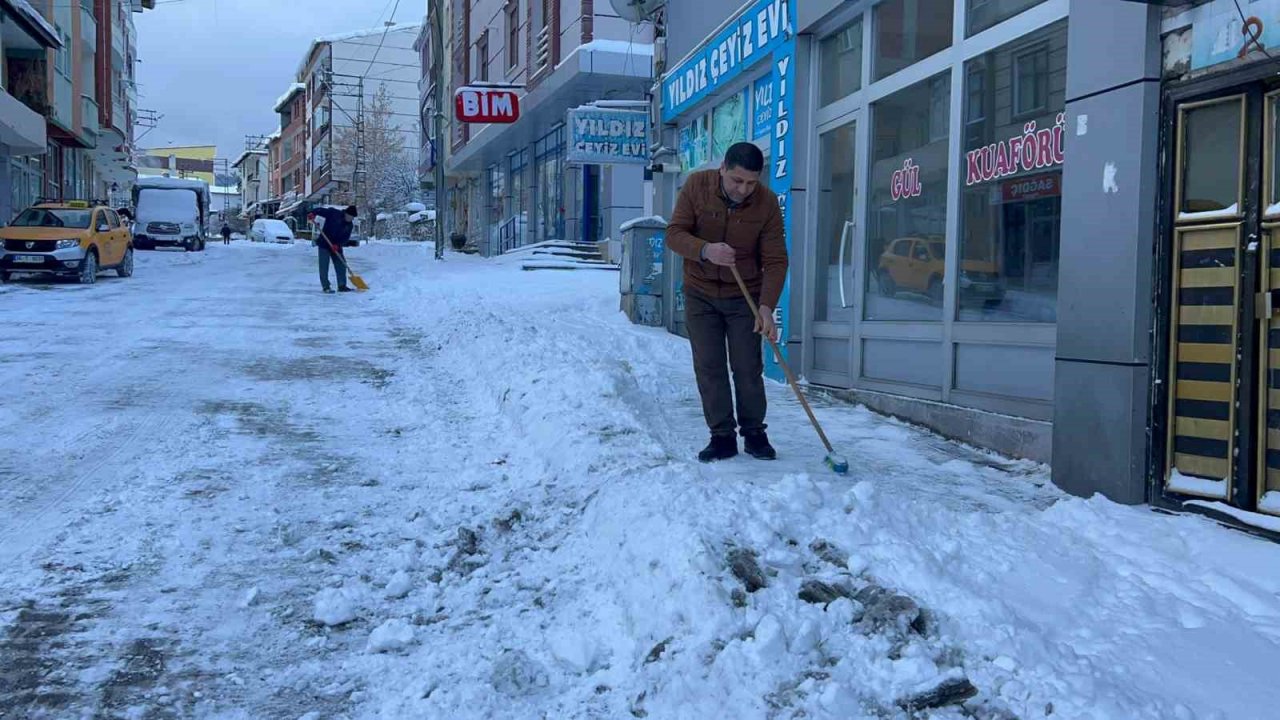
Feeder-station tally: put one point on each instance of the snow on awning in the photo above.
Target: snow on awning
(43, 28)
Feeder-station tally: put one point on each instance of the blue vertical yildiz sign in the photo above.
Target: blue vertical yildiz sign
(784, 91)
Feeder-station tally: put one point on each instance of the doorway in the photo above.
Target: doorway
(835, 242)
(1222, 410)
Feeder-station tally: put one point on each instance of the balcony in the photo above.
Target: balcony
(88, 26)
(117, 44)
(89, 116)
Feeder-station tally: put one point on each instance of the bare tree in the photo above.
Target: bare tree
(390, 178)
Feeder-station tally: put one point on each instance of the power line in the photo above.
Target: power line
(385, 30)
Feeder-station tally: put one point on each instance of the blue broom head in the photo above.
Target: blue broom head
(837, 463)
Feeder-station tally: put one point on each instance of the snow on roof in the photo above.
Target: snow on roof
(422, 215)
(619, 46)
(648, 221)
(275, 135)
(244, 155)
(225, 190)
(354, 34)
(23, 8)
(415, 207)
(289, 94)
(160, 181)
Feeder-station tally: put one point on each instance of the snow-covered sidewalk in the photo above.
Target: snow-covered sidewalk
(470, 493)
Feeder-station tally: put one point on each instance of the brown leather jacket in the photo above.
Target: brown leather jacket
(753, 229)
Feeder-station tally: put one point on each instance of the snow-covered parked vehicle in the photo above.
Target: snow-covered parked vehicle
(273, 231)
(170, 212)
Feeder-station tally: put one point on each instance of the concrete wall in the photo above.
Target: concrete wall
(689, 23)
(1105, 285)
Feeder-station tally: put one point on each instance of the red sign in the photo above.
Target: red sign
(1030, 188)
(486, 105)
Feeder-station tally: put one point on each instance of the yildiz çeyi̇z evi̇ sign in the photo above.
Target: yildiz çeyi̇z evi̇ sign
(749, 38)
(599, 136)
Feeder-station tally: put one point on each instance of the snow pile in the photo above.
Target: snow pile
(390, 635)
(423, 216)
(415, 207)
(515, 515)
(335, 606)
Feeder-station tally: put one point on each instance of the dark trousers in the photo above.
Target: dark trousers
(713, 326)
(339, 267)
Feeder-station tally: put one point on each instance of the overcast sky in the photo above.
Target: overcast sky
(214, 68)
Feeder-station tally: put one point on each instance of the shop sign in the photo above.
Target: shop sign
(762, 107)
(749, 38)
(905, 183)
(1220, 32)
(784, 84)
(486, 105)
(1034, 149)
(1031, 188)
(608, 137)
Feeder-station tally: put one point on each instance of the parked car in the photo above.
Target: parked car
(917, 265)
(70, 239)
(277, 231)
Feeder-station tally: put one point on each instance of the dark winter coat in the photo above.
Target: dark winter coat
(336, 227)
(226, 231)
(754, 230)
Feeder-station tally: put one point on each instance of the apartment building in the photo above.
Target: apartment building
(292, 172)
(511, 184)
(72, 63)
(255, 187)
(343, 76)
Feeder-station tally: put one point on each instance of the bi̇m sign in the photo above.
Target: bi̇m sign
(486, 105)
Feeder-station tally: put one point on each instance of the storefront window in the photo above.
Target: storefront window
(836, 190)
(841, 63)
(907, 208)
(1011, 207)
(694, 145)
(728, 124)
(908, 31)
(1211, 159)
(1273, 118)
(982, 14)
(497, 193)
(519, 200)
(548, 167)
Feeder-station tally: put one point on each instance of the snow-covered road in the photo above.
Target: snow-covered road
(470, 494)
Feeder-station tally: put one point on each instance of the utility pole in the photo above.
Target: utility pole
(437, 66)
(351, 86)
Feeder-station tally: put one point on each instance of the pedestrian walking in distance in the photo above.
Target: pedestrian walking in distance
(338, 225)
(226, 234)
(726, 218)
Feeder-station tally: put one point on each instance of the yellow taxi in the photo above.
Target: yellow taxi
(73, 238)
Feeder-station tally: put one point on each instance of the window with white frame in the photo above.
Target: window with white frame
(1031, 80)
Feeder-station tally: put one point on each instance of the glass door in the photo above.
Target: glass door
(837, 234)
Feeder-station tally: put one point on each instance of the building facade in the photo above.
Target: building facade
(346, 77)
(255, 184)
(511, 184)
(1001, 233)
(25, 40)
(293, 176)
(81, 82)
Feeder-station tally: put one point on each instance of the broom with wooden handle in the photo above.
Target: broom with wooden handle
(346, 267)
(833, 460)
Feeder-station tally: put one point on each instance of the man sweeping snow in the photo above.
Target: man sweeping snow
(338, 225)
(723, 219)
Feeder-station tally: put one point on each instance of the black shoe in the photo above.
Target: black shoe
(328, 290)
(756, 444)
(721, 447)
(343, 288)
